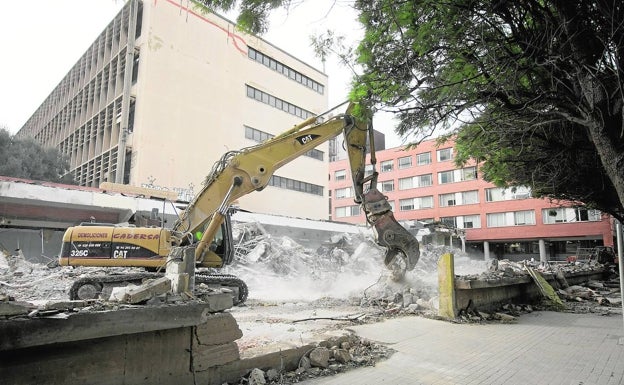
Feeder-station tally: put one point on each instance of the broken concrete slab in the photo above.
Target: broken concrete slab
(136, 294)
(220, 330)
(12, 308)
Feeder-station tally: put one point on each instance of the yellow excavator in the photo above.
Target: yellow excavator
(205, 223)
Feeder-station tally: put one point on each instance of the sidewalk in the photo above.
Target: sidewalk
(541, 348)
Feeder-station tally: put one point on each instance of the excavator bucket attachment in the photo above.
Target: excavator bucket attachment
(399, 242)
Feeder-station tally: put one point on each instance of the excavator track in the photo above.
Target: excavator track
(224, 280)
(92, 287)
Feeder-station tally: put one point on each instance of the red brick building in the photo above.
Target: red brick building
(423, 184)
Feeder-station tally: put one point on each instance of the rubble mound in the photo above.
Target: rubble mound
(327, 358)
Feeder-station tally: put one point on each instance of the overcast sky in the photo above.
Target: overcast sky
(41, 40)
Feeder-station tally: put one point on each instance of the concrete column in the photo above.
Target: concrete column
(463, 241)
(181, 269)
(125, 101)
(542, 251)
(486, 250)
(446, 286)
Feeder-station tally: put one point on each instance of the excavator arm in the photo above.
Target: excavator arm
(241, 172)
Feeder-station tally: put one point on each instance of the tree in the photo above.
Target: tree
(25, 158)
(532, 89)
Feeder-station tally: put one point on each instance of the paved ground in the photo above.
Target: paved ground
(541, 348)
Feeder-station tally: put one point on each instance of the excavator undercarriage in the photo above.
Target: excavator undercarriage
(101, 286)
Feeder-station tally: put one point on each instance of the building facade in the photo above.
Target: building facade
(166, 89)
(424, 185)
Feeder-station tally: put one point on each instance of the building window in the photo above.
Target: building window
(405, 162)
(406, 204)
(416, 203)
(472, 221)
(340, 175)
(449, 221)
(469, 173)
(425, 202)
(423, 159)
(470, 197)
(512, 218)
(497, 194)
(520, 192)
(496, 220)
(346, 192)
(446, 177)
(445, 154)
(451, 176)
(280, 104)
(261, 136)
(347, 211)
(570, 214)
(368, 170)
(526, 217)
(416, 181)
(494, 194)
(284, 70)
(386, 165)
(296, 185)
(387, 186)
(406, 183)
(447, 200)
(424, 180)
(460, 198)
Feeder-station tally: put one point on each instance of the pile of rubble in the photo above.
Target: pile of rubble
(28, 281)
(592, 297)
(348, 266)
(329, 357)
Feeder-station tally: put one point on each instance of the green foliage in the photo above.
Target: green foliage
(533, 89)
(25, 158)
(253, 14)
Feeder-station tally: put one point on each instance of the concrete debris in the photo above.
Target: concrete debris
(319, 357)
(257, 377)
(136, 294)
(329, 357)
(593, 297)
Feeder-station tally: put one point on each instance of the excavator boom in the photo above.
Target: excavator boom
(205, 224)
(239, 173)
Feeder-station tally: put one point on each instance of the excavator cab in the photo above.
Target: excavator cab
(221, 245)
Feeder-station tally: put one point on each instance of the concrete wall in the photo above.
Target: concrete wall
(177, 344)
